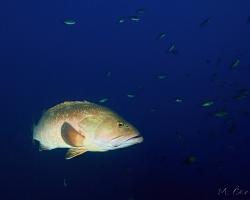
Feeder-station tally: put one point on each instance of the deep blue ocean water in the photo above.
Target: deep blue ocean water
(187, 153)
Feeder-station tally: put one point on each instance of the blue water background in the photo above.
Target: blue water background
(45, 62)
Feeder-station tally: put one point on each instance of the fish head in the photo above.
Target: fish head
(114, 133)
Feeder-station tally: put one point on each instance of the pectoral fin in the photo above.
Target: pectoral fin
(71, 136)
(71, 153)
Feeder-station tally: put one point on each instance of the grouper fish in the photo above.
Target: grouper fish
(83, 126)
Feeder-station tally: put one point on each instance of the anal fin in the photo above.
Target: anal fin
(73, 152)
(43, 147)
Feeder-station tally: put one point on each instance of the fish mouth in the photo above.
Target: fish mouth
(137, 138)
(127, 142)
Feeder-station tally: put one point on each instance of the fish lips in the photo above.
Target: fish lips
(122, 142)
(135, 139)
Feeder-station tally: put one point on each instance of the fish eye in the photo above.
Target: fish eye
(120, 124)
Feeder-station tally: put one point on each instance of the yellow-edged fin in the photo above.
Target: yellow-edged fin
(71, 153)
(71, 136)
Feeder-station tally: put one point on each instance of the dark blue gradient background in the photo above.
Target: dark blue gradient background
(44, 62)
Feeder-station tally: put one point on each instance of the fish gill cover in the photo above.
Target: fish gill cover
(177, 70)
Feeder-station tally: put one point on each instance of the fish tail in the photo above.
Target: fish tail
(33, 130)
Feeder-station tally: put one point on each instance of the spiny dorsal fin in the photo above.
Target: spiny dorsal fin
(71, 136)
(71, 153)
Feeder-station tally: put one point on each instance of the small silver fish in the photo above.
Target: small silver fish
(130, 95)
(135, 18)
(103, 100)
(179, 100)
(108, 74)
(70, 22)
(161, 77)
(207, 103)
(121, 20)
(161, 36)
(235, 63)
(65, 183)
(172, 49)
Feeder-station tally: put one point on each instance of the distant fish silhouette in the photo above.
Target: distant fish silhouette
(241, 94)
(65, 183)
(248, 19)
(140, 11)
(161, 36)
(172, 49)
(69, 22)
(189, 160)
(235, 63)
(205, 22)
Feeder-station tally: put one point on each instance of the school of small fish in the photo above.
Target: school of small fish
(85, 126)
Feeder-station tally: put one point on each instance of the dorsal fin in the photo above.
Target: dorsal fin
(71, 136)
